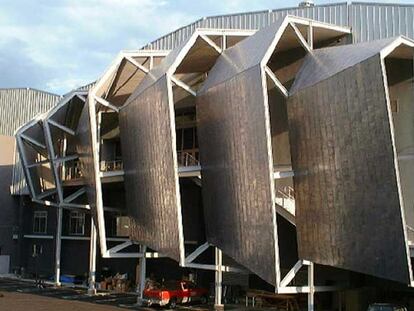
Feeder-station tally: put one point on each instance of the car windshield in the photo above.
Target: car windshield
(152, 285)
(172, 285)
(382, 308)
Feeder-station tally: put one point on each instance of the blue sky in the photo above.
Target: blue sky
(58, 45)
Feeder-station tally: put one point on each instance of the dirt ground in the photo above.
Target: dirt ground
(10, 301)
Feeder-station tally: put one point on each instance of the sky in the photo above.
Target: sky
(59, 45)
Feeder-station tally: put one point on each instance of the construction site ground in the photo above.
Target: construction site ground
(16, 295)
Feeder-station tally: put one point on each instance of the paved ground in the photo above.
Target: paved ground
(24, 302)
(24, 296)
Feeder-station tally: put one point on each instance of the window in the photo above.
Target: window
(111, 225)
(77, 223)
(37, 250)
(39, 221)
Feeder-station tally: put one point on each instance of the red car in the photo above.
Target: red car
(174, 292)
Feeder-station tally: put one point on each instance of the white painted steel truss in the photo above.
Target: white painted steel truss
(96, 98)
(93, 99)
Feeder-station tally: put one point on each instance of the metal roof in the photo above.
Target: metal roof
(17, 107)
(369, 21)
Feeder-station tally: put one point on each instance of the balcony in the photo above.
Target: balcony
(285, 202)
(72, 171)
(188, 158)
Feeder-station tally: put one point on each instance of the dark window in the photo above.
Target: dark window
(37, 250)
(77, 223)
(188, 138)
(39, 222)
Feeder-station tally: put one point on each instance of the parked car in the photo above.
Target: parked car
(386, 307)
(174, 292)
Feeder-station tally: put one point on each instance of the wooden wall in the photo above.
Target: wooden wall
(234, 141)
(348, 211)
(151, 181)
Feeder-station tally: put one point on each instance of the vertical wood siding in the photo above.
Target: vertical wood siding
(348, 212)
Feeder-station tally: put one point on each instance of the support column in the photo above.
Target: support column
(58, 245)
(92, 260)
(142, 273)
(310, 36)
(311, 284)
(219, 280)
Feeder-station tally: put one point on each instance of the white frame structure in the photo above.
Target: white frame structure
(93, 99)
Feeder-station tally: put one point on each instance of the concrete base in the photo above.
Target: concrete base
(140, 302)
(218, 307)
(91, 291)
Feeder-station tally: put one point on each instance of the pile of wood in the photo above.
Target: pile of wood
(118, 283)
(261, 298)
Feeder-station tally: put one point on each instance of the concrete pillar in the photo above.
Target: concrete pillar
(219, 280)
(92, 260)
(58, 245)
(311, 284)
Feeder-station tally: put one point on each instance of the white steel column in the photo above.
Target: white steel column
(219, 279)
(92, 260)
(142, 273)
(58, 245)
(311, 284)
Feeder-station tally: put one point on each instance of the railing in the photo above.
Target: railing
(286, 192)
(185, 158)
(285, 197)
(72, 171)
(110, 166)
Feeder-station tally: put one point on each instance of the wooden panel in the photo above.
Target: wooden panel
(84, 149)
(348, 211)
(151, 180)
(238, 204)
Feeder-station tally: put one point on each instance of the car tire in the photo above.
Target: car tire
(173, 303)
(204, 300)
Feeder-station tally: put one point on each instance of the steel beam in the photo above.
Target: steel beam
(33, 141)
(62, 127)
(184, 86)
(311, 294)
(58, 245)
(92, 260)
(212, 44)
(276, 81)
(136, 64)
(219, 279)
(143, 270)
(106, 103)
(201, 249)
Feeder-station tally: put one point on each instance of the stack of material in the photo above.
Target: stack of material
(118, 283)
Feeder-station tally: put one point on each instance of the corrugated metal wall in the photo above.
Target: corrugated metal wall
(369, 21)
(17, 107)
(334, 14)
(372, 21)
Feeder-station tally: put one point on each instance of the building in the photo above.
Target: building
(18, 106)
(232, 132)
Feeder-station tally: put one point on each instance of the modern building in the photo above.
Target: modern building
(258, 144)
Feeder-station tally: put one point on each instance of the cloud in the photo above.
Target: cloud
(58, 45)
(65, 44)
